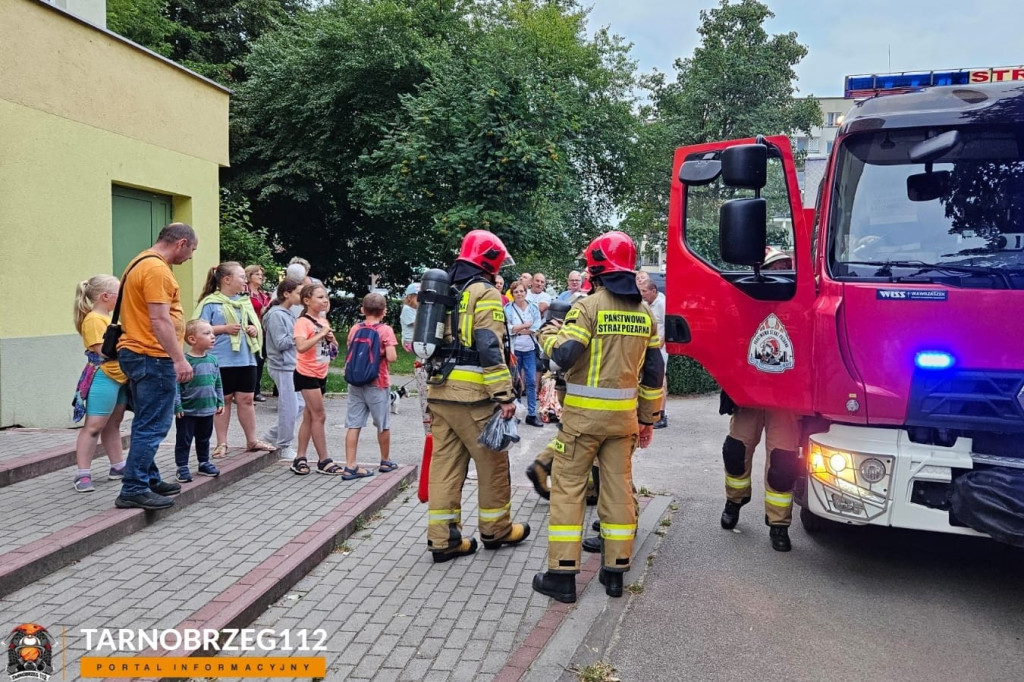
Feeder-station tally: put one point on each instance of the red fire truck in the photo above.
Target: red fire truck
(899, 332)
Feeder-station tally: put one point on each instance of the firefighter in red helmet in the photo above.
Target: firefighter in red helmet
(608, 346)
(782, 437)
(474, 383)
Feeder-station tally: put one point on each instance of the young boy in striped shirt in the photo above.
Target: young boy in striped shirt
(196, 402)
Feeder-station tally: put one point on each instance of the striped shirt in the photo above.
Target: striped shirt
(201, 396)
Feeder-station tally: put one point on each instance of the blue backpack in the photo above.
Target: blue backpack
(362, 361)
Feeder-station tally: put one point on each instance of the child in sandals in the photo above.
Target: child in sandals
(315, 345)
(373, 399)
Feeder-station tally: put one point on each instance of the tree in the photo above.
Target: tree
(738, 83)
(525, 134)
(240, 240)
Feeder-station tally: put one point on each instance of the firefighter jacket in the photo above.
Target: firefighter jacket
(481, 374)
(609, 348)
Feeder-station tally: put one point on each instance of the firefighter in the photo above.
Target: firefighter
(608, 346)
(471, 385)
(782, 438)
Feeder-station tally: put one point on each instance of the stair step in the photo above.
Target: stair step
(218, 562)
(80, 523)
(24, 457)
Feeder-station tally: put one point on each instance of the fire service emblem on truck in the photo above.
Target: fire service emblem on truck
(770, 349)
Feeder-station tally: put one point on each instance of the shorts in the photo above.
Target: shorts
(368, 401)
(304, 383)
(104, 394)
(238, 379)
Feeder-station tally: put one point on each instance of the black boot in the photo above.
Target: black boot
(465, 548)
(661, 423)
(612, 582)
(559, 586)
(596, 525)
(731, 513)
(592, 544)
(780, 538)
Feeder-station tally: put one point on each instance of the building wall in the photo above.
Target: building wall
(77, 118)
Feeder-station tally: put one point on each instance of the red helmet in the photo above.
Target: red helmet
(611, 252)
(484, 249)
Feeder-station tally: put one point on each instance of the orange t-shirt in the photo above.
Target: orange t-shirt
(151, 281)
(316, 361)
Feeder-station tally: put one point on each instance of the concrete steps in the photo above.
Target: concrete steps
(21, 460)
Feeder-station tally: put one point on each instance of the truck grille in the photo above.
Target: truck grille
(967, 400)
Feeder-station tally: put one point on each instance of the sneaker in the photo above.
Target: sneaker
(258, 398)
(534, 421)
(165, 488)
(115, 474)
(146, 500)
(287, 454)
(208, 469)
(183, 475)
(83, 484)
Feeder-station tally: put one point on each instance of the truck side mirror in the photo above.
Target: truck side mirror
(703, 171)
(745, 165)
(743, 231)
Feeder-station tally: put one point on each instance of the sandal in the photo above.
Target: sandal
(387, 465)
(299, 466)
(354, 473)
(220, 452)
(329, 467)
(260, 445)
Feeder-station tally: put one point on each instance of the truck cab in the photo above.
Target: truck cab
(897, 334)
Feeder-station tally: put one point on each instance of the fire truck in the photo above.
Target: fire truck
(898, 334)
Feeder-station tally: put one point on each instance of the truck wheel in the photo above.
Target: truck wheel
(812, 524)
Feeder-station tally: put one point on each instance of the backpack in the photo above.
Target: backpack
(362, 361)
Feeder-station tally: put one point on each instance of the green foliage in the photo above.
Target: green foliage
(738, 83)
(687, 377)
(143, 22)
(240, 241)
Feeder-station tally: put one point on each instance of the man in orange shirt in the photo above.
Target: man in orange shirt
(150, 354)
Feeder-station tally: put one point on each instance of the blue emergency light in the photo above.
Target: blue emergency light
(933, 359)
(872, 84)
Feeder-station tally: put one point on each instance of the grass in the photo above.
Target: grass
(666, 522)
(635, 588)
(343, 548)
(645, 492)
(598, 672)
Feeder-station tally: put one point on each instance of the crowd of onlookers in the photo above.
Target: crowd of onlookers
(196, 373)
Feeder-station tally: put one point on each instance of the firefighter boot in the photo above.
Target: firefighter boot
(465, 548)
(519, 532)
(538, 476)
(731, 513)
(612, 582)
(592, 544)
(559, 586)
(780, 538)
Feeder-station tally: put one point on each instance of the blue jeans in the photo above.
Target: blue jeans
(151, 382)
(527, 361)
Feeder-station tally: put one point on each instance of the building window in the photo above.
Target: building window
(801, 144)
(828, 146)
(833, 119)
(815, 145)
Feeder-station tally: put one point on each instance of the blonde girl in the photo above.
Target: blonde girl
(315, 344)
(107, 395)
(239, 337)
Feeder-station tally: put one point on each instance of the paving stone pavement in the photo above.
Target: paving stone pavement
(158, 576)
(392, 614)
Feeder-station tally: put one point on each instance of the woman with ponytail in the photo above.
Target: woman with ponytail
(103, 386)
(239, 339)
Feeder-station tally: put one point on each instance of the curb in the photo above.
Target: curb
(252, 594)
(26, 564)
(46, 462)
(564, 628)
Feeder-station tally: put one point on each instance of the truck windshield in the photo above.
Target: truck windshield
(958, 218)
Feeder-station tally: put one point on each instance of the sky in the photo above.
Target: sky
(843, 37)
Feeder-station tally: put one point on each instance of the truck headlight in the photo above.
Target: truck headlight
(847, 483)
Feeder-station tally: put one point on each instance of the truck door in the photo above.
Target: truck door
(753, 333)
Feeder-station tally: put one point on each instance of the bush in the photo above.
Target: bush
(686, 376)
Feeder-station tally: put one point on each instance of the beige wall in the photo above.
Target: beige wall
(80, 111)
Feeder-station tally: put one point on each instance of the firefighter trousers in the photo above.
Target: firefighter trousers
(455, 429)
(781, 466)
(574, 456)
(546, 459)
